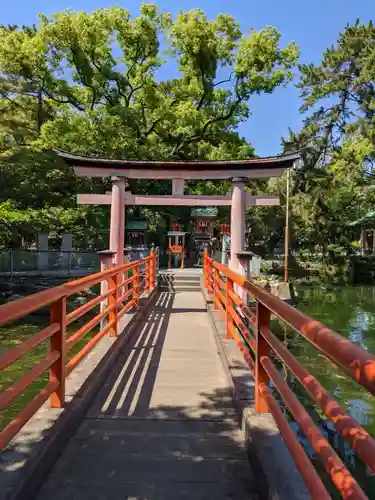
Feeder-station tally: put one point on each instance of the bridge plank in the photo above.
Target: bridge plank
(163, 424)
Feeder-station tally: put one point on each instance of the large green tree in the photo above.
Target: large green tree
(93, 82)
(334, 182)
(99, 83)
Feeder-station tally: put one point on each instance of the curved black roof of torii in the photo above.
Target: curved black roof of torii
(269, 162)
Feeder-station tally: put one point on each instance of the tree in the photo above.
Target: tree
(118, 104)
(93, 84)
(346, 79)
(333, 184)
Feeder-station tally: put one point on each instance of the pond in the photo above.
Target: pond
(351, 312)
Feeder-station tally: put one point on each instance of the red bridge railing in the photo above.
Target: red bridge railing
(250, 328)
(124, 286)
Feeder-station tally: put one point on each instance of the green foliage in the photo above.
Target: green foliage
(82, 222)
(95, 76)
(91, 83)
(333, 184)
(345, 76)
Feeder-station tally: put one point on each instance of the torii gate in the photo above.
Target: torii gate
(237, 171)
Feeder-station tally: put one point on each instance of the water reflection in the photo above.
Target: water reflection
(361, 411)
(358, 325)
(351, 312)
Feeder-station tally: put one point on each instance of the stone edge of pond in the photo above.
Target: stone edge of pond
(273, 466)
(31, 455)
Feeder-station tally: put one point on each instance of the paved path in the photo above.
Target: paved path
(163, 425)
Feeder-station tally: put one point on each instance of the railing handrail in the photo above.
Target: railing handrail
(22, 307)
(118, 294)
(356, 361)
(256, 341)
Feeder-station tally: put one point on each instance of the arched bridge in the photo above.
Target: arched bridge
(172, 386)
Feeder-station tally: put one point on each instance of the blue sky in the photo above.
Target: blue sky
(313, 25)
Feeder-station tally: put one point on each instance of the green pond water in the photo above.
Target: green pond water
(349, 310)
(11, 336)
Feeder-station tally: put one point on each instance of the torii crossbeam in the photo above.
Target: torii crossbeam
(238, 171)
(176, 200)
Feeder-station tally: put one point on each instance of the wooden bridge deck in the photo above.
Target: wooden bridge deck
(163, 425)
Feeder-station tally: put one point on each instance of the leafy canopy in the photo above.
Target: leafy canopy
(92, 82)
(100, 83)
(334, 183)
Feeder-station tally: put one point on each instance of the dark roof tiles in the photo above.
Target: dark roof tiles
(282, 161)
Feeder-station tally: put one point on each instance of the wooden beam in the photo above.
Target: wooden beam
(223, 174)
(170, 200)
(197, 200)
(262, 200)
(94, 199)
(178, 187)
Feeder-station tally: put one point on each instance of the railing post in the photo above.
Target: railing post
(58, 343)
(152, 271)
(209, 272)
(112, 301)
(136, 285)
(263, 318)
(125, 275)
(244, 260)
(155, 268)
(157, 262)
(149, 272)
(216, 289)
(106, 261)
(228, 306)
(205, 269)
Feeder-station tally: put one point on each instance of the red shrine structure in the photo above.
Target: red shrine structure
(236, 171)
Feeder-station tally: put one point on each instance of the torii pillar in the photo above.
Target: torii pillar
(237, 226)
(117, 223)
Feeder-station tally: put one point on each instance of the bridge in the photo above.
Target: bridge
(169, 386)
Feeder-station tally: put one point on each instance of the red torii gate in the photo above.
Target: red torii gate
(237, 171)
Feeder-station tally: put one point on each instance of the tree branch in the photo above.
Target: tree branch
(134, 90)
(143, 114)
(13, 102)
(158, 120)
(201, 135)
(152, 128)
(39, 115)
(78, 106)
(205, 90)
(223, 81)
(222, 117)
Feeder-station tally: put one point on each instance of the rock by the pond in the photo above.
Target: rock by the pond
(80, 300)
(282, 290)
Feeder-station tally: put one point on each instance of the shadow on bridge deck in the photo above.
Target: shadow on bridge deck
(163, 424)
